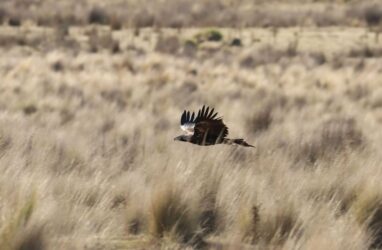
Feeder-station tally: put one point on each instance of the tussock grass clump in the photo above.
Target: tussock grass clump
(319, 58)
(366, 52)
(358, 92)
(5, 142)
(276, 228)
(65, 159)
(259, 227)
(190, 48)
(136, 222)
(19, 233)
(261, 120)
(268, 55)
(334, 136)
(271, 103)
(170, 215)
(210, 217)
(249, 224)
(99, 40)
(339, 133)
(208, 221)
(168, 45)
(367, 209)
(32, 239)
(3, 15)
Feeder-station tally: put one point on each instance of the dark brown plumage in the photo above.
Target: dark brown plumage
(206, 129)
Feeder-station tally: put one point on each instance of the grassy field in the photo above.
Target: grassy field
(88, 113)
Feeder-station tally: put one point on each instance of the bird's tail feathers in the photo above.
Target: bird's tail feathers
(238, 142)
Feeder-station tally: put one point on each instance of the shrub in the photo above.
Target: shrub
(98, 16)
(236, 42)
(209, 35)
(30, 109)
(214, 35)
(373, 15)
(369, 12)
(14, 21)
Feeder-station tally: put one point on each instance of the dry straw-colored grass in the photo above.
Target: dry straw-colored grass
(88, 116)
(185, 13)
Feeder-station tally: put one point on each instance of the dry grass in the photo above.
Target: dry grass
(185, 13)
(88, 115)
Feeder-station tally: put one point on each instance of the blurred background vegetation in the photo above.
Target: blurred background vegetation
(91, 95)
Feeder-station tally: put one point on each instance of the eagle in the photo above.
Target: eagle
(206, 129)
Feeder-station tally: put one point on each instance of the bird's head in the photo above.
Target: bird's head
(182, 138)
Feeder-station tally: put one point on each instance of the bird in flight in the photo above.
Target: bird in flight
(206, 129)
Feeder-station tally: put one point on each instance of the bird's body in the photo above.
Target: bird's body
(205, 129)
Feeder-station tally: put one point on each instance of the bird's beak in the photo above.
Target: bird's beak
(177, 138)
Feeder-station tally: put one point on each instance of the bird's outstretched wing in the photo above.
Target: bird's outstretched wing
(208, 129)
(187, 122)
